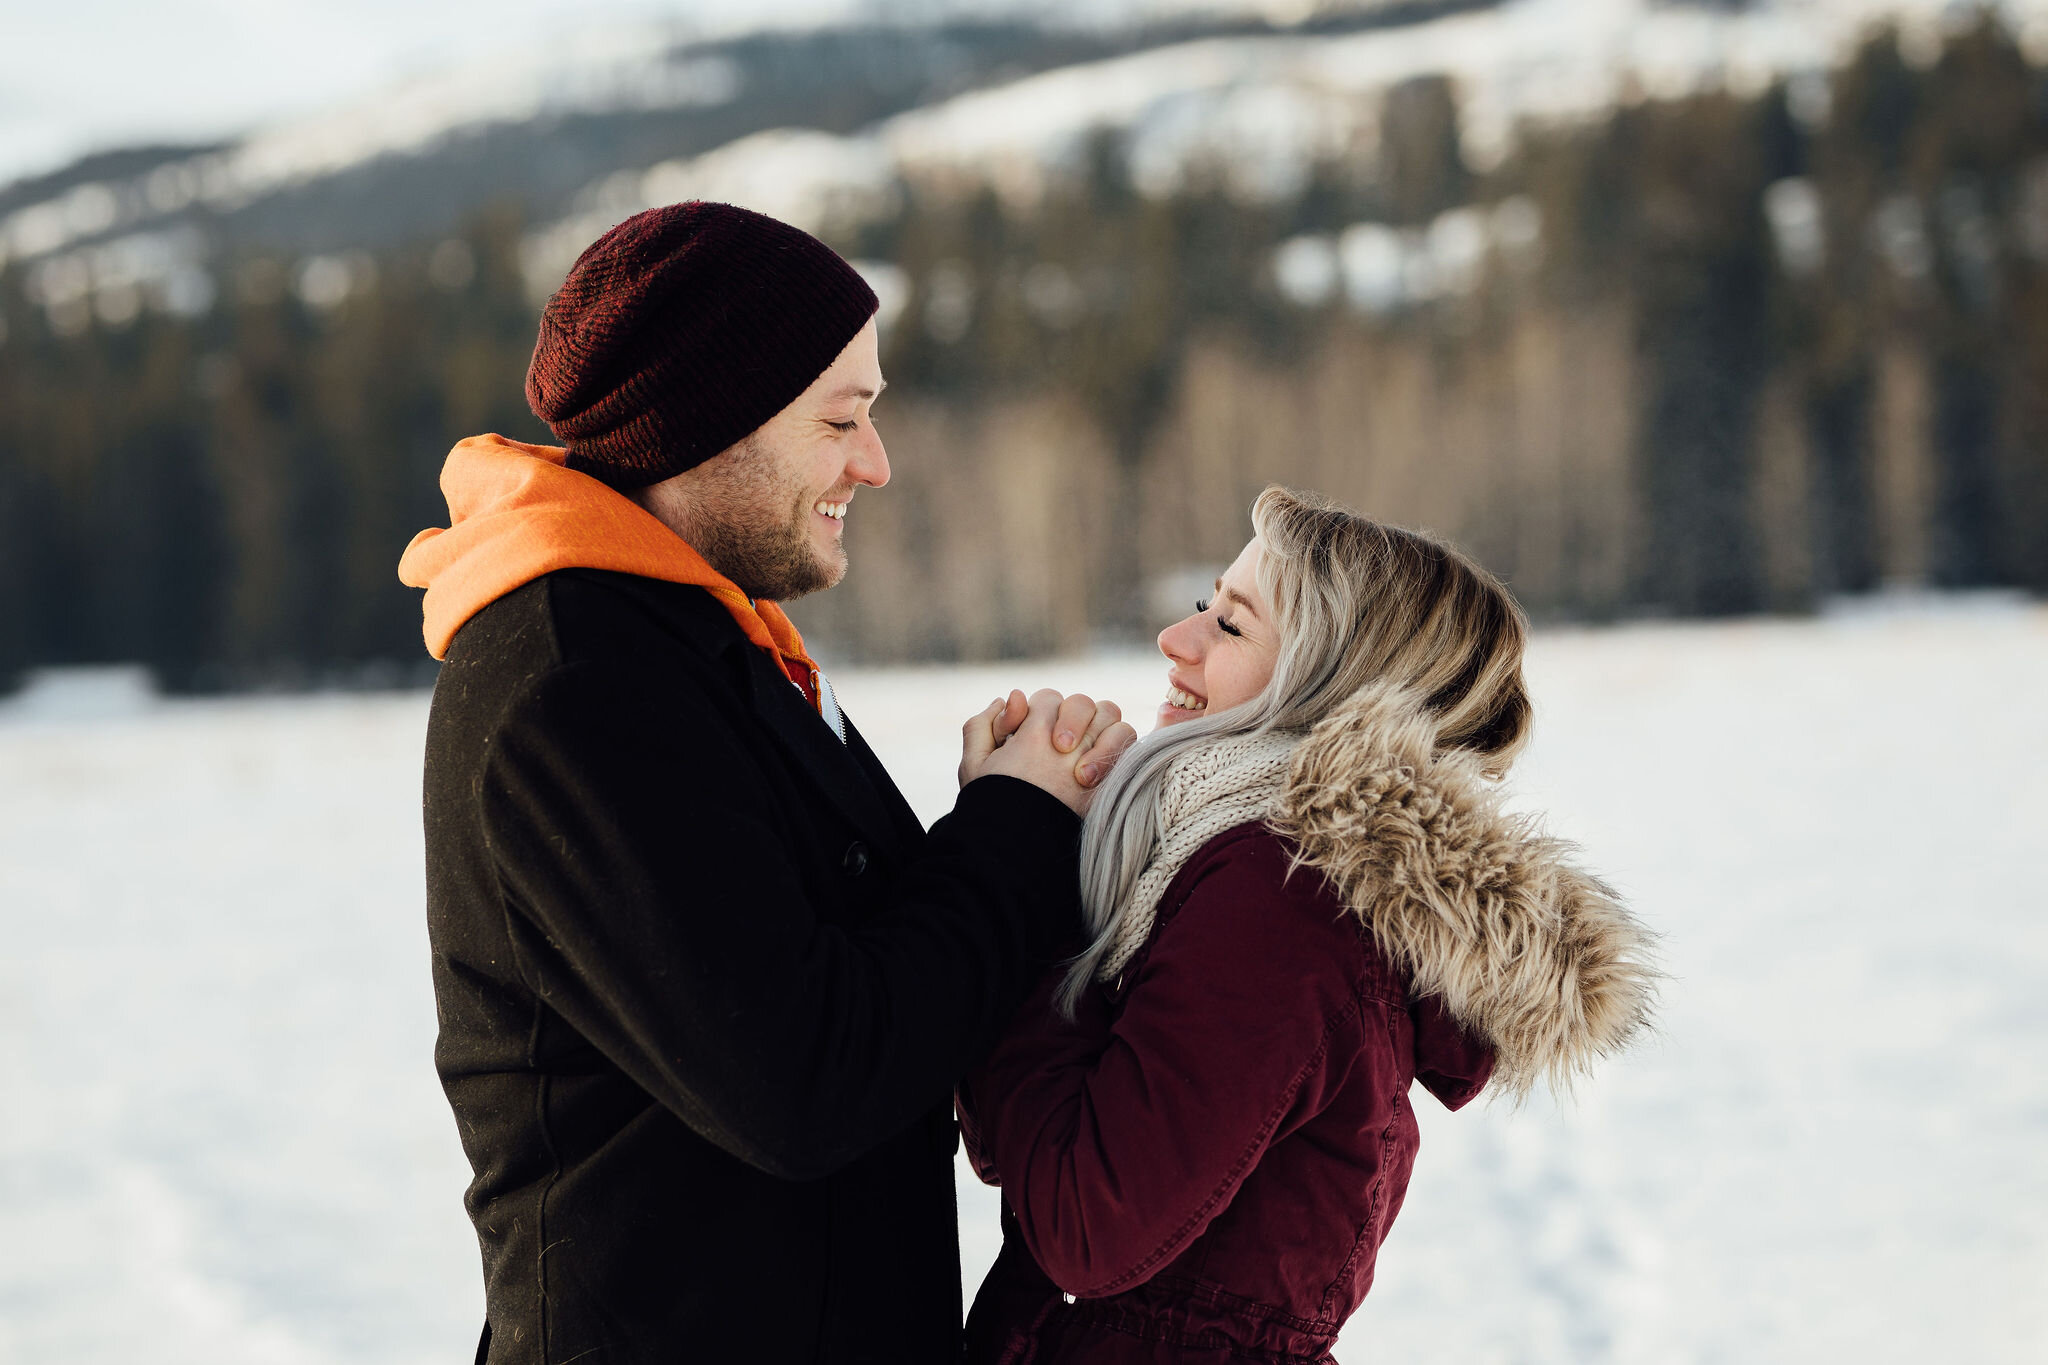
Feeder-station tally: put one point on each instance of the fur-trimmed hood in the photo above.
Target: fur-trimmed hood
(1474, 903)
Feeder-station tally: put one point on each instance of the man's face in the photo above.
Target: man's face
(770, 511)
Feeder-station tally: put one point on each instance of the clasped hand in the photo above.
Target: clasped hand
(1062, 745)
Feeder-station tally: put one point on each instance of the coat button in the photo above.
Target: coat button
(856, 860)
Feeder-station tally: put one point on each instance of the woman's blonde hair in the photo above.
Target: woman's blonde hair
(1356, 603)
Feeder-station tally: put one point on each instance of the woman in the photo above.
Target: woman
(1304, 895)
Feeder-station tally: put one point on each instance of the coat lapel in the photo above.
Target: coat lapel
(908, 825)
(787, 715)
(872, 805)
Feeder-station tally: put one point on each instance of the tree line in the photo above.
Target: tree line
(1737, 352)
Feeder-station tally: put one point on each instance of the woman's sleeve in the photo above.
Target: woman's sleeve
(1120, 1139)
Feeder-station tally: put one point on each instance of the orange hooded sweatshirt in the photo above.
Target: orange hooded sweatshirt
(517, 512)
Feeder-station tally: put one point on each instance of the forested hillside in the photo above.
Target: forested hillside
(1729, 352)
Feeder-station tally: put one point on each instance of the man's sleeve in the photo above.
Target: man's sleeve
(650, 885)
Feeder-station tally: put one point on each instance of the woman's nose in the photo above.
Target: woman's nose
(1180, 641)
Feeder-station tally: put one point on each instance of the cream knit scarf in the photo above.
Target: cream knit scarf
(1205, 791)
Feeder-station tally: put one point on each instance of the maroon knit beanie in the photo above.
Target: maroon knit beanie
(682, 330)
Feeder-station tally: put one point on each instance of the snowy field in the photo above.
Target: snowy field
(221, 1139)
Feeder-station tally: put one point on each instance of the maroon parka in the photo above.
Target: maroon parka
(1202, 1166)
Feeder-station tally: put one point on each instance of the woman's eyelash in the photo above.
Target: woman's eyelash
(1222, 625)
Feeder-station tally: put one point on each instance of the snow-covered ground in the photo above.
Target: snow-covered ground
(221, 1139)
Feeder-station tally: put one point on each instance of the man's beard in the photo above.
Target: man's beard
(754, 527)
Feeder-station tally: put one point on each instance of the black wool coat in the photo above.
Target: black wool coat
(704, 986)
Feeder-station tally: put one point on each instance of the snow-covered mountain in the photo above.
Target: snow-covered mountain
(577, 139)
(625, 80)
(1264, 109)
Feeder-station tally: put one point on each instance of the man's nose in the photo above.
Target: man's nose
(870, 462)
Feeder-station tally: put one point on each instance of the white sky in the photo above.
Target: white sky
(84, 75)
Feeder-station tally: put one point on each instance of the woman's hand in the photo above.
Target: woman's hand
(1062, 745)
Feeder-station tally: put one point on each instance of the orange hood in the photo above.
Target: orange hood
(517, 512)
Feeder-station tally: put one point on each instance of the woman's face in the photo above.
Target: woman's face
(1223, 654)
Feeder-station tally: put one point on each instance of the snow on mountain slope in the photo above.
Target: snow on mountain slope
(1265, 109)
(1261, 108)
(1532, 59)
(611, 70)
(603, 67)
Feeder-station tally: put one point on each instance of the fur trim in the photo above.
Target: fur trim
(1473, 902)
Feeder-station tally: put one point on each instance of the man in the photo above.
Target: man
(704, 983)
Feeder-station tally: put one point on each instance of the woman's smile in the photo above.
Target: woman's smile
(1180, 703)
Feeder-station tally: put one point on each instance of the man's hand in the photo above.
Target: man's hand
(1063, 745)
